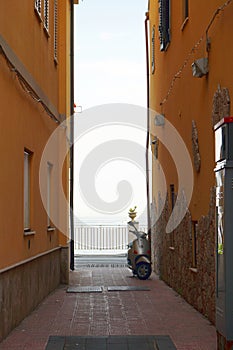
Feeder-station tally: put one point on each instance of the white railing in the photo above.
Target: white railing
(101, 239)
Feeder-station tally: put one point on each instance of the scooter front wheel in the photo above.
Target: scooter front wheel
(143, 270)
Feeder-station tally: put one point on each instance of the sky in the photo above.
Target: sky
(110, 67)
(110, 52)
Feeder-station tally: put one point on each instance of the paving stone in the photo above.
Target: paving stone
(131, 342)
(127, 288)
(74, 347)
(85, 289)
(164, 343)
(115, 315)
(96, 343)
(114, 339)
(55, 343)
(76, 340)
(118, 346)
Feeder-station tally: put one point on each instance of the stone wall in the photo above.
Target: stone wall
(25, 285)
(173, 260)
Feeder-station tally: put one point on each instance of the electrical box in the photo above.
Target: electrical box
(224, 226)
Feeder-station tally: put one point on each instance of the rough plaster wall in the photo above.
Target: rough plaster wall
(158, 227)
(221, 105)
(64, 265)
(206, 250)
(195, 147)
(173, 265)
(24, 287)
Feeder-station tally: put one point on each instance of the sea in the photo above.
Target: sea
(106, 221)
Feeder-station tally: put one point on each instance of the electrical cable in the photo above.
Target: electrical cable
(26, 86)
(178, 74)
(194, 48)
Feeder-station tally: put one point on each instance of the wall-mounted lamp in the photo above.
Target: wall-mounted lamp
(200, 67)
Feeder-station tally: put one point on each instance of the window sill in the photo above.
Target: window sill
(172, 248)
(29, 233)
(193, 269)
(51, 229)
(184, 23)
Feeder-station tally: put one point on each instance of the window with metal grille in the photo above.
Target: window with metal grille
(27, 189)
(38, 6)
(55, 29)
(164, 24)
(153, 51)
(49, 193)
(46, 14)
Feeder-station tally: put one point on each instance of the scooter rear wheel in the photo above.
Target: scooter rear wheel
(143, 270)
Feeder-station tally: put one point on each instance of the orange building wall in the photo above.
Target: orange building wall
(31, 44)
(26, 124)
(185, 258)
(191, 98)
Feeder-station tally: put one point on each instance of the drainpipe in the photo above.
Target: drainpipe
(72, 135)
(148, 131)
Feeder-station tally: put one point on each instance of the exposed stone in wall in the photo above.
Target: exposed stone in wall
(221, 105)
(156, 147)
(195, 146)
(64, 265)
(174, 263)
(206, 261)
(158, 227)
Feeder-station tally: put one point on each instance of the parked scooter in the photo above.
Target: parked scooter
(139, 254)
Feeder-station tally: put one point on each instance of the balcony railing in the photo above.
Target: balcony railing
(102, 239)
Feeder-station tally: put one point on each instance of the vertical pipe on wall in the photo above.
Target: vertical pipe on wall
(148, 131)
(72, 135)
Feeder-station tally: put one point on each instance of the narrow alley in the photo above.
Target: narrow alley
(152, 310)
(116, 154)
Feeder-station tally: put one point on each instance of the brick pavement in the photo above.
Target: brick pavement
(159, 311)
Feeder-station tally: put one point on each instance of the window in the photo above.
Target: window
(194, 244)
(164, 24)
(49, 192)
(173, 199)
(27, 191)
(38, 6)
(172, 193)
(153, 51)
(185, 9)
(55, 29)
(46, 14)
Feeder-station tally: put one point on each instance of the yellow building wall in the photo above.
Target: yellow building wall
(23, 29)
(187, 98)
(185, 257)
(25, 124)
(64, 107)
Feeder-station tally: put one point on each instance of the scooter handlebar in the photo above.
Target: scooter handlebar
(139, 234)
